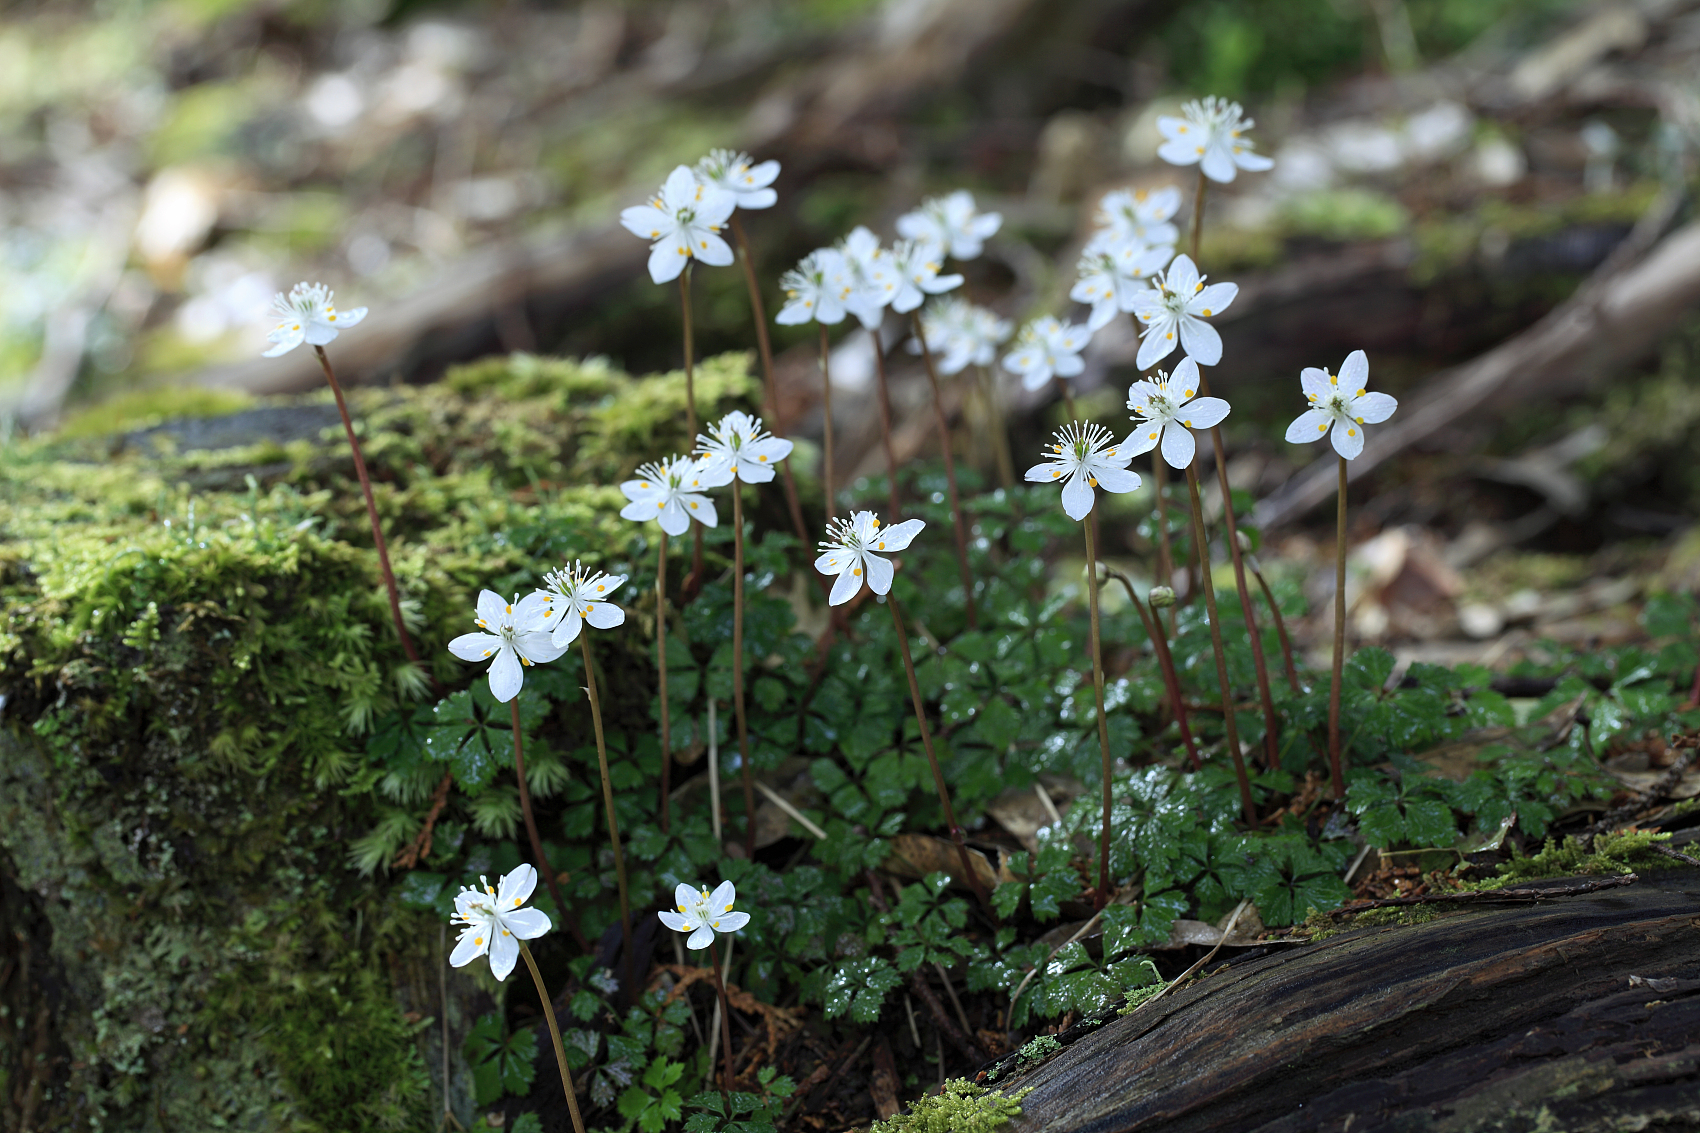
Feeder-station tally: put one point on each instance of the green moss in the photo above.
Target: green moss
(143, 409)
(194, 650)
(1628, 852)
(962, 1108)
(1399, 915)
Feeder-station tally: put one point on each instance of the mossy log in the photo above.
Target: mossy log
(1578, 1013)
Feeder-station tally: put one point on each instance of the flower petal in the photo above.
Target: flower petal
(1117, 479)
(1178, 446)
(667, 259)
(712, 250)
(686, 896)
(701, 509)
(1214, 299)
(1077, 497)
(1354, 371)
(1308, 426)
(507, 675)
(515, 887)
(646, 221)
(1348, 438)
(538, 646)
(898, 536)
(1315, 383)
(287, 338)
(1047, 473)
(475, 646)
(1143, 438)
(604, 615)
(673, 518)
(532, 611)
(527, 924)
(568, 630)
(1374, 407)
(700, 939)
(492, 607)
(346, 319)
(674, 921)
(732, 922)
(880, 573)
(1204, 413)
(1253, 162)
(473, 943)
(1158, 343)
(1200, 340)
(725, 894)
(1218, 163)
(849, 582)
(504, 953)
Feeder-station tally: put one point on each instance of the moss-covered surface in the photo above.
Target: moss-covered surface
(962, 1108)
(191, 674)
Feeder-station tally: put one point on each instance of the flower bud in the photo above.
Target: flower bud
(1162, 597)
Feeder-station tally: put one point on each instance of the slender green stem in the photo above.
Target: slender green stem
(725, 1021)
(999, 428)
(1335, 770)
(1090, 527)
(1068, 397)
(1260, 666)
(968, 874)
(555, 1036)
(738, 669)
(770, 394)
(1229, 724)
(530, 821)
(1165, 555)
(1198, 212)
(626, 937)
(885, 422)
(1165, 661)
(826, 428)
(960, 525)
(694, 582)
(1280, 628)
(661, 669)
(371, 509)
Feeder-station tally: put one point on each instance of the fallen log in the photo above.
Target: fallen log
(1583, 1007)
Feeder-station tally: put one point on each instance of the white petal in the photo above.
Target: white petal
(1158, 343)
(724, 894)
(1201, 340)
(673, 518)
(1374, 407)
(701, 509)
(538, 646)
(287, 338)
(646, 221)
(604, 615)
(473, 943)
(758, 199)
(1170, 127)
(666, 260)
(346, 319)
(1077, 497)
(527, 924)
(1252, 161)
(1068, 365)
(1183, 275)
(712, 250)
(1143, 439)
(1178, 446)
(1218, 163)
(504, 954)
(1348, 438)
(681, 189)
(475, 646)
(1185, 378)
(642, 511)
(686, 896)
(849, 582)
(1354, 371)
(700, 939)
(492, 607)
(1214, 299)
(1204, 413)
(830, 562)
(1047, 473)
(1179, 151)
(1315, 383)
(674, 921)
(568, 630)
(899, 535)
(732, 922)
(880, 572)
(320, 333)
(515, 888)
(507, 675)
(1117, 479)
(532, 611)
(1307, 427)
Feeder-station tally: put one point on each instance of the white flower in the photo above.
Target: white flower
(307, 314)
(848, 551)
(1078, 457)
(1211, 135)
(1179, 304)
(1046, 348)
(702, 914)
(576, 595)
(1165, 412)
(952, 223)
(917, 264)
(960, 335)
(739, 447)
(1340, 400)
(683, 221)
(1112, 274)
(731, 172)
(514, 634)
(873, 280)
(662, 492)
(495, 922)
(817, 288)
(1141, 215)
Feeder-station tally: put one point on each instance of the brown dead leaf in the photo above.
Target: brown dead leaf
(914, 856)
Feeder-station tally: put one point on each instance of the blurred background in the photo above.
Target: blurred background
(1458, 184)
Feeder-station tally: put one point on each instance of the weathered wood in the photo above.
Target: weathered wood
(1455, 1024)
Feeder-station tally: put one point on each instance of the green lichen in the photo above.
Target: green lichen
(962, 1108)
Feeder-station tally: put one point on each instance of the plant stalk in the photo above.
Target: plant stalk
(1068, 397)
(826, 428)
(1198, 212)
(1335, 770)
(1090, 527)
(1165, 555)
(555, 1037)
(661, 669)
(1280, 628)
(999, 428)
(885, 423)
(961, 527)
(770, 395)
(968, 874)
(530, 821)
(1165, 661)
(738, 669)
(371, 509)
(1230, 726)
(725, 1021)
(608, 805)
(694, 582)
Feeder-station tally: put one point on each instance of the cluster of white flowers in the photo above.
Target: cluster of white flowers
(961, 334)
